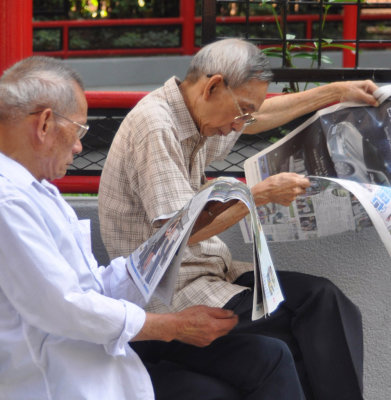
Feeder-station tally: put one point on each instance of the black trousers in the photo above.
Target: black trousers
(321, 326)
(233, 367)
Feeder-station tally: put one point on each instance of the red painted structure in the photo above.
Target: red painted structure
(349, 33)
(188, 22)
(16, 31)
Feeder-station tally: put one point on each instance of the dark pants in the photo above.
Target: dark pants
(321, 326)
(233, 367)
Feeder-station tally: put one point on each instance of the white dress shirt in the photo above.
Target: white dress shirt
(65, 323)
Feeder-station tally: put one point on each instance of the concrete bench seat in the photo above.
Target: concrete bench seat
(356, 262)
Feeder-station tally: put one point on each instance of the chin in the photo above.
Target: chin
(58, 176)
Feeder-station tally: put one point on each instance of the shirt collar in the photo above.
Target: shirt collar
(20, 175)
(176, 101)
(15, 171)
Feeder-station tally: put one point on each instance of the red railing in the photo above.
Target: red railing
(188, 23)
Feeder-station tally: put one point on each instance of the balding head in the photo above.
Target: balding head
(237, 60)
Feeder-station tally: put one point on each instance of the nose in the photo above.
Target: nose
(77, 147)
(237, 125)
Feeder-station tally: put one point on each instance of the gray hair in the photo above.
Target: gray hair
(237, 60)
(38, 82)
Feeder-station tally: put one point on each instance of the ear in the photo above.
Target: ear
(45, 124)
(214, 82)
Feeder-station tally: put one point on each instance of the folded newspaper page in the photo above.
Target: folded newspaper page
(348, 142)
(375, 199)
(154, 265)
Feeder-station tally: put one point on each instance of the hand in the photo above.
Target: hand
(282, 188)
(359, 91)
(197, 325)
(201, 325)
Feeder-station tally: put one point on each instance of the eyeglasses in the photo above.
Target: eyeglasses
(81, 132)
(243, 118)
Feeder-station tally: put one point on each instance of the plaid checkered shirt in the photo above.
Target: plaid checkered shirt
(156, 163)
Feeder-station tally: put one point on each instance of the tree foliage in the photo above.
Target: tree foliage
(87, 9)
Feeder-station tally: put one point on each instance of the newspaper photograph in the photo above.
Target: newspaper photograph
(348, 141)
(154, 265)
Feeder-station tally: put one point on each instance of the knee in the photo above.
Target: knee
(282, 353)
(270, 354)
(322, 290)
(273, 363)
(322, 287)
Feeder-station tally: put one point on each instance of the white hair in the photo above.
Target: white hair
(237, 60)
(38, 82)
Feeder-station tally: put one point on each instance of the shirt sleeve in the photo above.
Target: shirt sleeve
(55, 290)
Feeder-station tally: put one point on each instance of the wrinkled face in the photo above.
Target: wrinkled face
(64, 141)
(220, 113)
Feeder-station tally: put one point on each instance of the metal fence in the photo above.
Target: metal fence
(353, 36)
(183, 34)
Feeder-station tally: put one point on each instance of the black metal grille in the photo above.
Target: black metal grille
(104, 123)
(103, 127)
(319, 73)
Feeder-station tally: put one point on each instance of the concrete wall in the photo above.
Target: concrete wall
(148, 73)
(359, 264)
(356, 262)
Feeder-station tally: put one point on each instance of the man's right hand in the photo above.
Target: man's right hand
(197, 325)
(281, 188)
(201, 325)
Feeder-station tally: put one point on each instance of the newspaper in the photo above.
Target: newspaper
(154, 265)
(345, 150)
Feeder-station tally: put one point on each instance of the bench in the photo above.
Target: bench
(356, 262)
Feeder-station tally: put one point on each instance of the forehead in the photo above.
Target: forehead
(81, 101)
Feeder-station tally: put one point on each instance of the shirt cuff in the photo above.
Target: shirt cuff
(134, 321)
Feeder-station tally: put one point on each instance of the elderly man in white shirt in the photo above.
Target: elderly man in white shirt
(65, 322)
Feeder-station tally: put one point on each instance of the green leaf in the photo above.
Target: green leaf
(326, 60)
(305, 55)
(345, 1)
(272, 54)
(341, 46)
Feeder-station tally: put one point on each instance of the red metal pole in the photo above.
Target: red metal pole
(349, 32)
(16, 31)
(65, 40)
(187, 12)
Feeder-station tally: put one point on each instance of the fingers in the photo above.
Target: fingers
(220, 313)
(361, 91)
(281, 188)
(201, 325)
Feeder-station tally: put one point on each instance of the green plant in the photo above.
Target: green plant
(308, 51)
(46, 39)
